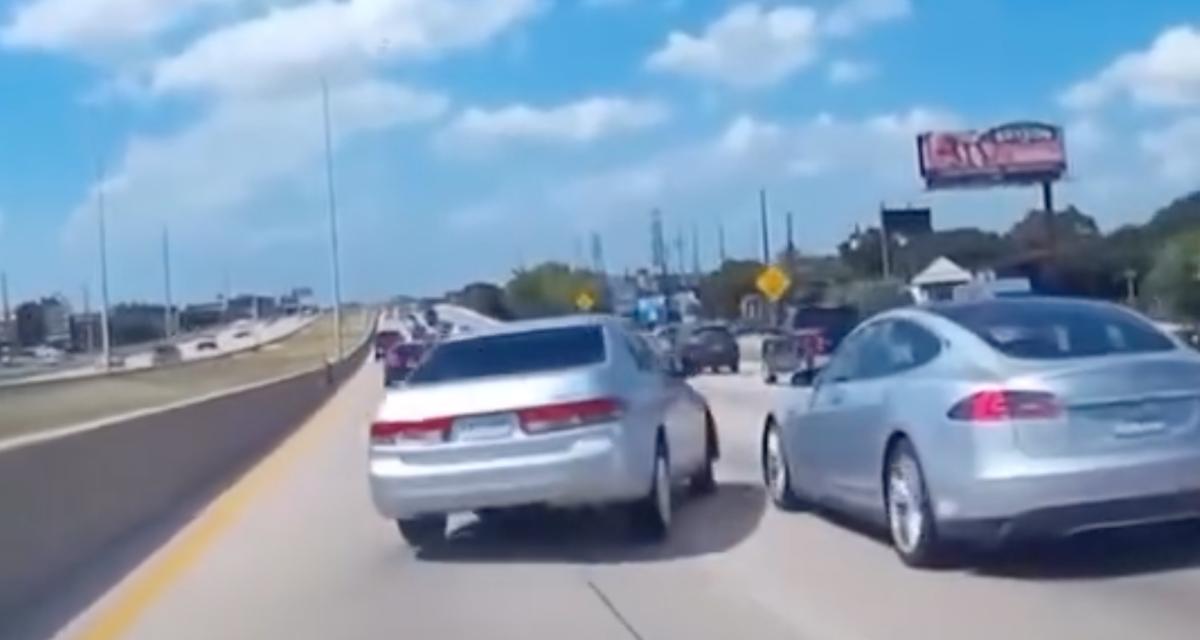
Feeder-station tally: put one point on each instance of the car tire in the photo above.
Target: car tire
(733, 368)
(650, 516)
(424, 531)
(704, 482)
(776, 477)
(912, 527)
(770, 378)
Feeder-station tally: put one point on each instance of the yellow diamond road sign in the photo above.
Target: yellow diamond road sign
(773, 283)
(585, 301)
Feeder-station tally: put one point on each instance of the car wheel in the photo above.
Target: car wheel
(776, 477)
(911, 523)
(650, 517)
(770, 377)
(703, 482)
(424, 531)
(734, 367)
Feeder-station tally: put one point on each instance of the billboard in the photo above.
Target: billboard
(1014, 153)
(909, 222)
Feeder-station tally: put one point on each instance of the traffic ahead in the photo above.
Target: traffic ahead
(729, 565)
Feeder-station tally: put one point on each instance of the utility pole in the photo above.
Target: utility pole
(105, 334)
(885, 241)
(4, 318)
(791, 244)
(679, 252)
(766, 240)
(658, 245)
(597, 254)
(168, 310)
(721, 241)
(695, 250)
(333, 225)
(85, 298)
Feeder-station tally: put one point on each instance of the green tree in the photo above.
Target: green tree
(1174, 281)
(721, 291)
(551, 289)
(486, 298)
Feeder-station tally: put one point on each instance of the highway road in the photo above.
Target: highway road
(230, 339)
(295, 550)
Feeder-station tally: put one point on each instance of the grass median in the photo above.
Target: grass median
(31, 408)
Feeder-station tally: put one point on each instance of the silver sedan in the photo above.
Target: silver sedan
(984, 421)
(566, 413)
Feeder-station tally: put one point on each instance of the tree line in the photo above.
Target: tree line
(1155, 265)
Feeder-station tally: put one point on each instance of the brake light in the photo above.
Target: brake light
(390, 431)
(569, 415)
(995, 405)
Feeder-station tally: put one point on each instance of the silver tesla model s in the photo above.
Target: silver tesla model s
(984, 421)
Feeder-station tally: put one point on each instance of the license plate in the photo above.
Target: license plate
(486, 427)
(1137, 429)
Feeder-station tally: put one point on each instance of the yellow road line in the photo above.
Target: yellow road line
(164, 568)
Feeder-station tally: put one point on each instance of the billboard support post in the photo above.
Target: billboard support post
(1048, 207)
(885, 256)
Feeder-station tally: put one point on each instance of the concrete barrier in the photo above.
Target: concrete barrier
(63, 500)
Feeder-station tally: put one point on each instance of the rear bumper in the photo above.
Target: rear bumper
(591, 468)
(1067, 520)
(1066, 497)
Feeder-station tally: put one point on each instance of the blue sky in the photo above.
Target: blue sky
(470, 134)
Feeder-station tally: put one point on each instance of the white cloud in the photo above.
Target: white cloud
(1174, 150)
(293, 46)
(197, 175)
(876, 154)
(86, 25)
(752, 46)
(575, 123)
(852, 16)
(1167, 74)
(846, 72)
(748, 47)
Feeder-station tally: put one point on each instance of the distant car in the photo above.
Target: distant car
(568, 412)
(166, 354)
(804, 348)
(207, 343)
(48, 355)
(707, 346)
(400, 360)
(988, 421)
(384, 339)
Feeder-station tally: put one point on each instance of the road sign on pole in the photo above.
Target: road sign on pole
(773, 283)
(584, 301)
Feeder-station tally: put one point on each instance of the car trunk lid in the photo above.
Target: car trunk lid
(1114, 404)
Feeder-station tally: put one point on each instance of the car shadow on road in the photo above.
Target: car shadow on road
(705, 525)
(1102, 554)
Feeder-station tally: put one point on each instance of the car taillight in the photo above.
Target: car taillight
(392, 431)
(995, 405)
(568, 415)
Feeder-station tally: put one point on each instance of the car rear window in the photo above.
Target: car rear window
(511, 354)
(711, 334)
(1053, 330)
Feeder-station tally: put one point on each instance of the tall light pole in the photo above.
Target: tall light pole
(333, 225)
(766, 237)
(168, 312)
(105, 338)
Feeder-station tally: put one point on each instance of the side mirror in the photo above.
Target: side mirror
(806, 378)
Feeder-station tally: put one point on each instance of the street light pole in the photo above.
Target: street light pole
(105, 337)
(333, 225)
(168, 312)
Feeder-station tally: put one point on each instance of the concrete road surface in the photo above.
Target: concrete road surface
(294, 550)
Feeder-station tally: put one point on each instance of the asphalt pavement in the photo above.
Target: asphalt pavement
(295, 550)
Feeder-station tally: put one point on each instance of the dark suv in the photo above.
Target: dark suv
(707, 346)
(813, 334)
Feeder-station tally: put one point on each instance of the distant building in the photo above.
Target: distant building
(938, 280)
(85, 331)
(56, 316)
